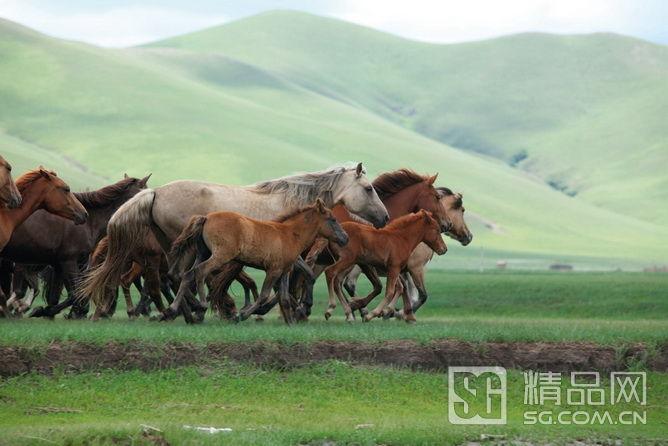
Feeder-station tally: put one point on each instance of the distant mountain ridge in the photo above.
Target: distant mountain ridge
(249, 109)
(585, 113)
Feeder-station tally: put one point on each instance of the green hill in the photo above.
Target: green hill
(585, 114)
(216, 115)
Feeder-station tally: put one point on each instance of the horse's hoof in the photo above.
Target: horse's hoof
(410, 320)
(168, 315)
(350, 318)
(388, 313)
(38, 312)
(367, 317)
(259, 319)
(199, 317)
(363, 312)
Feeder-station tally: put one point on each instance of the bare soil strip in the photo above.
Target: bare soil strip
(433, 356)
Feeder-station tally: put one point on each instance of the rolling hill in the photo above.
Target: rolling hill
(585, 114)
(186, 111)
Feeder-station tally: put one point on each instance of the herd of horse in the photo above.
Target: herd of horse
(186, 242)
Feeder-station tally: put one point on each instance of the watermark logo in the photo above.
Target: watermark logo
(584, 394)
(477, 395)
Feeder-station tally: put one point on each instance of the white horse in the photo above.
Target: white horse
(166, 210)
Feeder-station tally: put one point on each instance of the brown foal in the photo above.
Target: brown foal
(388, 248)
(230, 238)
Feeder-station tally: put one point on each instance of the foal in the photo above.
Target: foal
(388, 248)
(229, 239)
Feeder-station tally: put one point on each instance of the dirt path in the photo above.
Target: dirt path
(433, 356)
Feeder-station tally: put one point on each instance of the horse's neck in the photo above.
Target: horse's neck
(99, 217)
(32, 199)
(304, 234)
(412, 234)
(403, 202)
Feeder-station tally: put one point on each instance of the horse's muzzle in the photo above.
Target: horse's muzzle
(81, 218)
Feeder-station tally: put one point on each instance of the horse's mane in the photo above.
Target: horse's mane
(389, 183)
(289, 215)
(30, 177)
(403, 221)
(105, 196)
(304, 188)
(448, 192)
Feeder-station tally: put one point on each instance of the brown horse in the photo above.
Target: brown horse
(273, 246)
(9, 194)
(388, 248)
(402, 192)
(40, 189)
(414, 277)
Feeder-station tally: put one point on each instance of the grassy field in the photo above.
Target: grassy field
(217, 114)
(608, 308)
(332, 400)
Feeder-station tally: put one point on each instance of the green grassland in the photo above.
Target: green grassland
(606, 308)
(308, 405)
(586, 110)
(216, 114)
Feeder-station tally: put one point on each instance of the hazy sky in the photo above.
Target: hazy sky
(131, 22)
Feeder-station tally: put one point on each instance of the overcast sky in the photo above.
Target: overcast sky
(118, 23)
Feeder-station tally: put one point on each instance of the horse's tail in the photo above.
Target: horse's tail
(100, 252)
(184, 248)
(126, 228)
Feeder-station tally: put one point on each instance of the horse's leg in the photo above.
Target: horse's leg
(390, 310)
(407, 314)
(417, 276)
(390, 288)
(284, 298)
(270, 279)
(338, 279)
(152, 281)
(371, 273)
(350, 283)
(249, 286)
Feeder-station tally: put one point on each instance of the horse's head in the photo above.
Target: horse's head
(454, 205)
(357, 194)
(428, 198)
(432, 233)
(135, 185)
(9, 194)
(59, 200)
(328, 226)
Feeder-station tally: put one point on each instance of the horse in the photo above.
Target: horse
(9, 193)
(45, 239)
(414, 277)
(166, 210)
(388, 248)
(273, 246)
(402, 191)
(40, 189)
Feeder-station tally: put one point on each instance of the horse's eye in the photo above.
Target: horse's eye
(9, 168)
(369, 189)
(66, 189)
(463, 210)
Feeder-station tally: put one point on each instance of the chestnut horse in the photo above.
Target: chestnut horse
(9, 194)
(414, 277)
(402, 192)
(272, 246)
(40, 189)
(388, 248)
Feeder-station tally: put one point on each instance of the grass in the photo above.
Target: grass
(322, 402)
(220, 115)
(607, 308)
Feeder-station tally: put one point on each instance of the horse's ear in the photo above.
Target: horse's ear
(425, 214)
(320, 206)
(125, 176)
(44, 173)
(144, 180)
(432, 180)
(359, 170)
